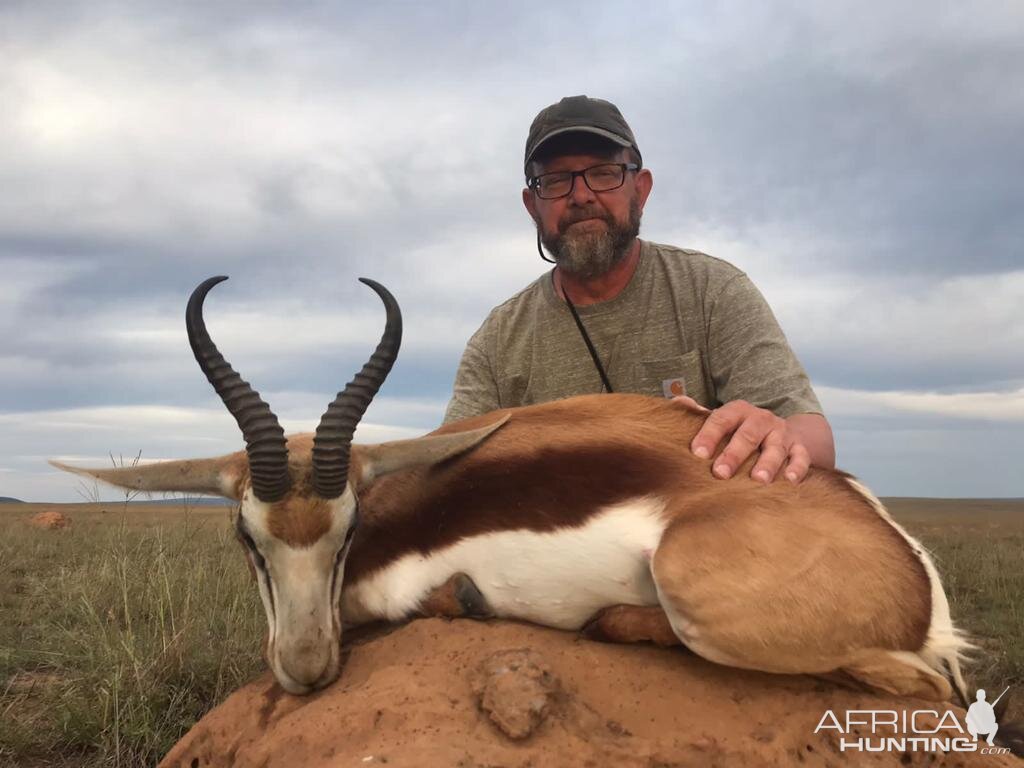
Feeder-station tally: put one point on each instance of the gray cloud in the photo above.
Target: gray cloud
(861, 165)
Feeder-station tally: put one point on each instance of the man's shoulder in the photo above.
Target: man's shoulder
(693, 261)
(689, 272)
(511, 311)
(527, 297)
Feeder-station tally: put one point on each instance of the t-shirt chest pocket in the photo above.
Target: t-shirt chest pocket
(672, 376)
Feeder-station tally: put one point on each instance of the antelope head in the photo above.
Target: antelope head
(298, 496)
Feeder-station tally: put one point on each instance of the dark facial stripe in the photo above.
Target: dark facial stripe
(255, 556)
(339, 559)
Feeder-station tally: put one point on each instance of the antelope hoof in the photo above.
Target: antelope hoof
(631, 624)
(594, 630)
(474, 604)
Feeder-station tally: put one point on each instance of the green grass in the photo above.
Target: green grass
(120, 632)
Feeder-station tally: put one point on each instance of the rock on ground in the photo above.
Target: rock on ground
(471, 694)
(49, 520)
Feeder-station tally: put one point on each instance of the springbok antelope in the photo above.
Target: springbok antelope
(587, 513)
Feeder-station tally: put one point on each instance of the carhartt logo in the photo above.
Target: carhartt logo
(919, 730)
(673, 387)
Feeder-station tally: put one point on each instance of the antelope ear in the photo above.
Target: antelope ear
(221, 476)
(380, 459)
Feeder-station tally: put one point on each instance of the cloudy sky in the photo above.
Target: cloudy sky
(863, 165)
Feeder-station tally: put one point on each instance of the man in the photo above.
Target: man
(652, 319)
(981, 718)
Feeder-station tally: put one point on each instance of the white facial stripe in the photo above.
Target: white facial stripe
(302, 580)
(306, 643)
(300, 593)
(559, 578)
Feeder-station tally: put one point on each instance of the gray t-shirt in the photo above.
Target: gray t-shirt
(687, 323)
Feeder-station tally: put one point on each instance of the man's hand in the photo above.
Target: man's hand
(781, 442)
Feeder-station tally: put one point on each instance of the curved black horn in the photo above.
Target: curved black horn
(264, 438)
(334, 433)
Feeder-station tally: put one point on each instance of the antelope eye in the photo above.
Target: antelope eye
(251, 546)
(351, 528)
(344, 547)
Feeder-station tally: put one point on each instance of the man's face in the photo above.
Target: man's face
(589, 232)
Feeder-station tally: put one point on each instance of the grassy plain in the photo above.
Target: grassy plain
(119, 632)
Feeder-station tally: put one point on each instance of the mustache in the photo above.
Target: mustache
(583, 215)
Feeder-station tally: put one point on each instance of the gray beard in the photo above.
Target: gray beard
(587, 255)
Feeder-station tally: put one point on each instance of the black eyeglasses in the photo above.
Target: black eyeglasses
(600, 178)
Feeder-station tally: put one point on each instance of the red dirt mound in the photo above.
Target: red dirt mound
(49, 520)
(469, 694)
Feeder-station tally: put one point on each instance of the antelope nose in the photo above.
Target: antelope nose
(306, 662)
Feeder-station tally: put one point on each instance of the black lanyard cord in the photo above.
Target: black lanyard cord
(588, 342)
(579, 323)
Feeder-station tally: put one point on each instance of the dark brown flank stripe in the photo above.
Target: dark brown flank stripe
(424, 510)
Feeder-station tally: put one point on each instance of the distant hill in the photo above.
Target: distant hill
(200, 501)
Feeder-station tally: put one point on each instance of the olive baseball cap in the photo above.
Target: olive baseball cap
(579, 114)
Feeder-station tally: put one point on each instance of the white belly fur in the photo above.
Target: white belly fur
(559, 578)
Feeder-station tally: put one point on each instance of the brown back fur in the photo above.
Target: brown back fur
(554, 465)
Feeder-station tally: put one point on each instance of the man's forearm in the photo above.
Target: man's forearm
(815, 433)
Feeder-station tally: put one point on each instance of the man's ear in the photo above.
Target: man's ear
(644, 183)
(530, 201)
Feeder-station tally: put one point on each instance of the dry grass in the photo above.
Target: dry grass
(119, 632)
(978, 546)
